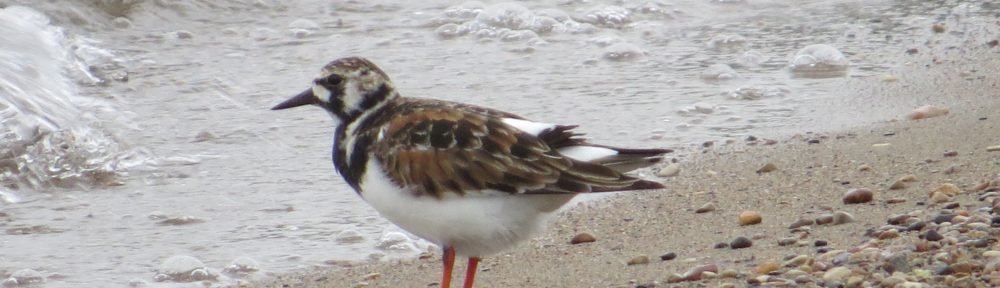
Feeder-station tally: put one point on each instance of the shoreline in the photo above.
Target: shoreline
(814, 171)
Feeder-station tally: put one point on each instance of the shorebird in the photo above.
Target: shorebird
(470, 179)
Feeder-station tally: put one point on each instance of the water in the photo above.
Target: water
(138, 149)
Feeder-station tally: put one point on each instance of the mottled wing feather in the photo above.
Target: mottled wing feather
(436, 150)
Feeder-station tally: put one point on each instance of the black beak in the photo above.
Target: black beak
(304, 98)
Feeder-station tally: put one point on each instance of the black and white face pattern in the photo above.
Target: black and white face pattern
(349, 87)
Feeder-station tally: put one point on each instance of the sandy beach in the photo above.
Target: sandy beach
(883, 244)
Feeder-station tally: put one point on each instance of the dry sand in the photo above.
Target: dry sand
(810, 180)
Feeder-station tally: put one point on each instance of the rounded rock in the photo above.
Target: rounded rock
(837, 274)
(669, 256)
(740, 243)
(857, 196)
(749, 218)
(671, 170)
(638, 260)
(708, 207)
(769, 167)
(841, 217)
(767, 267)
(582, 238)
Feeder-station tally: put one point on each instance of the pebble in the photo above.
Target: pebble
(708, 207)
(582, 238)
(991, 254)
(729, 273)
(824, 219)
(669, 256)
(864, 167)
(638, 260)
(749, 218)
(801, 222)
(695, 273)
(950, 153)
(933, 235)
(786, 241)
(856, 196)
(908, 178)
(947, 188)
(895, 200)
(837, 274)
(721, 245)
(899, 184)
(767, 267)
(993, 148)
(889, 234)
(926, 111)
(769, 167)
(797, 261)
(939, 197)
(841, 217)
(938, 28)
(671, 170)
(820, 243)
(740, 243)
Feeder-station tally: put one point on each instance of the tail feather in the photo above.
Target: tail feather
(619, 159)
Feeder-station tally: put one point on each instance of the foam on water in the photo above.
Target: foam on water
(51, 136)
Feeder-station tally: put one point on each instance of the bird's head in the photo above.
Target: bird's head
(346, 88)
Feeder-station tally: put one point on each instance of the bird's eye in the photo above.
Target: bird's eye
(333, 79)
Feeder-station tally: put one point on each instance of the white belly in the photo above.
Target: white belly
(473, 225)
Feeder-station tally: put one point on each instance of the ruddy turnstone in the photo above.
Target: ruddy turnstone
(470, 179)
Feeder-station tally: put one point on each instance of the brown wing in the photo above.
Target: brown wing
(436, 151)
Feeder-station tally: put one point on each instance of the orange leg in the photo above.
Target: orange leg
(470, 272)
(449, 262)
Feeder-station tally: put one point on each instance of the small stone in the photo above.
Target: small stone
(582, 238)
(888, 234)
(638, 260)
(820, 243)
(183, 34)
(749, 218)
(908, 178)
(933, 235)
(864, 167)
(991, 254)
(926, 111)
(740, 243)
(947, 188)
(668, 256)
(944, 217)
(708, 207)
(939, 197)
(801, 222)
(938, 28)
(952, 205)
(950, 153)
(899, 184)
(371, 276)
(767, 267)
(837, 274)
(895, 200)
(797, 261)
(857, 196)
(728, 273)
(824, 219)
(671, 170)
(769, 167)
(696, 273)
(721, 245)
(786, 241)
(993, 148)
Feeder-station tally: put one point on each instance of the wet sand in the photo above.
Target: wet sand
(814, 170)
